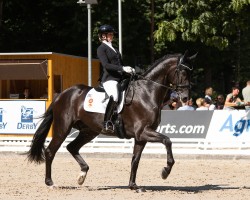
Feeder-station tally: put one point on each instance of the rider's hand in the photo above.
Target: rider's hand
(128, 69)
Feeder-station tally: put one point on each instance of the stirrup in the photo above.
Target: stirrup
(109, 125)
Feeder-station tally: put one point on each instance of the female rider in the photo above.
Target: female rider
(113, 70)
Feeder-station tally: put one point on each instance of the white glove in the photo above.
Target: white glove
(128, 69)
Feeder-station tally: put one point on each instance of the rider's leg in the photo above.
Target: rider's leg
(111, 89)
(111, 107)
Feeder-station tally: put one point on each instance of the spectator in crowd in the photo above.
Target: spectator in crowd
(187, 104)
(208, 95)
(246, 95)
(173, 103)
(209, 104)
(26, 94)
(233, 100)
(219, 103)
(208, 98)
(201, 103)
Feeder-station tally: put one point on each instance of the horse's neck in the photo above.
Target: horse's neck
(151, 91)
(156, 80)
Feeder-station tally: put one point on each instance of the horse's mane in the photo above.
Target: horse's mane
(157, 62)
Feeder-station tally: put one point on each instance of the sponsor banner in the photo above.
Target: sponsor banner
(185, 124)
(20, 116)
(230, 126)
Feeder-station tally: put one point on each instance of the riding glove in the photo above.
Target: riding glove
(128, 69)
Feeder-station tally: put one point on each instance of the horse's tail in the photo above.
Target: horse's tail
(36, 152)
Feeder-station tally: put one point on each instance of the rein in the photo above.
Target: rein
(171, 86)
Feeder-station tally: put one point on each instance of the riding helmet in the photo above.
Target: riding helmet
(106, 29)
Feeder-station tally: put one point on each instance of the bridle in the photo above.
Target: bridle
(181, 66)
(172, 86)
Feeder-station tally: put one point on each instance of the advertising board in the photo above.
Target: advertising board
(20, 116)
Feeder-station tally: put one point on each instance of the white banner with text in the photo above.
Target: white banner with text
(20, 116)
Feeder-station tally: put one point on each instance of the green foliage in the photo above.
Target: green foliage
(210, 22)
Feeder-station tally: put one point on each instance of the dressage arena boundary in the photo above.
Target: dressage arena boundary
(191, 146)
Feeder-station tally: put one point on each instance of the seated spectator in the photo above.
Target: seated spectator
(233, 100)
(173, 103)
(209, 104)
(219, 103)
(201, 103)
(26, 94)
(186, 104)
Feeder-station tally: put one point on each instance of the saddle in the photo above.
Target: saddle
(116, 123)
(122, 86)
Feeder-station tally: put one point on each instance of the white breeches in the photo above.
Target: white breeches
(111, 88)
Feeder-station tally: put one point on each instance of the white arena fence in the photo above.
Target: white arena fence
(191, 132)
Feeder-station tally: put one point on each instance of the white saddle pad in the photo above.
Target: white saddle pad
(94, 102)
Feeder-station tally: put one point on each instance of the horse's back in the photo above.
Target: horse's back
(72, 96)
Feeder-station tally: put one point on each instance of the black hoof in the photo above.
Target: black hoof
(164, 173)
(49, 182)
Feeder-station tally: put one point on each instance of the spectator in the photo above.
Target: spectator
(219, 103)
(233, 100)
(201, 103)
(246, 95)
(173, 103)
(186, 104)
(208, 95)
(26, 94)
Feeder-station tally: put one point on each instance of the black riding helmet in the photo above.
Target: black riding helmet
(106, 29)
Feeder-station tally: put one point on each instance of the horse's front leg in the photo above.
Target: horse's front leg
(153, 136)
(170, 159)
(138, 148)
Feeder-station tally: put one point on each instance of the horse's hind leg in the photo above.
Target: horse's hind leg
(50, 153)
(74, 148)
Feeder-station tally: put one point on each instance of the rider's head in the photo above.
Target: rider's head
(106, 32)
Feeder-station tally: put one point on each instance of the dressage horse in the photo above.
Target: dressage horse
(140, 118)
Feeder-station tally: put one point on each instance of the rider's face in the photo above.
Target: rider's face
(109, 37)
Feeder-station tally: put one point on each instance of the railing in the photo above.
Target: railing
(189, 146)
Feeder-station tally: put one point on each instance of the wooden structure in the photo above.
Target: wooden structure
(45, 73)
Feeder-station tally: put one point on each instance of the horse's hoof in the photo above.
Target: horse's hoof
(81, 178)
(139, 190)
(164, 173)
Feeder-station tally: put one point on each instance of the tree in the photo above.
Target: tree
(216, 29)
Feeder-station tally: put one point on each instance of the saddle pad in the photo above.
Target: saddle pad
(94, 102)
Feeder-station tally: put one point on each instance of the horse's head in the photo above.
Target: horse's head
(181, 74)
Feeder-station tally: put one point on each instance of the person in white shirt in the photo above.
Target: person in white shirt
(186, 104)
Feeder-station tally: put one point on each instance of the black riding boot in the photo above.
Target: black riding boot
(110, 114)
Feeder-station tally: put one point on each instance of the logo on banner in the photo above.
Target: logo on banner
(26, 114)
(26, 119)
(238, 127)
(180, 124)
(2, 124)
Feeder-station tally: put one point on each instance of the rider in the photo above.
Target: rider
(113, 69)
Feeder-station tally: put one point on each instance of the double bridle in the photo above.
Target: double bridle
(172, 86)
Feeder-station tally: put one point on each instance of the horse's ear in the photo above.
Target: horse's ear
(192, 57)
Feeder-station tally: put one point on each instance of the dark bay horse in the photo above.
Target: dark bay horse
(140, 118)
